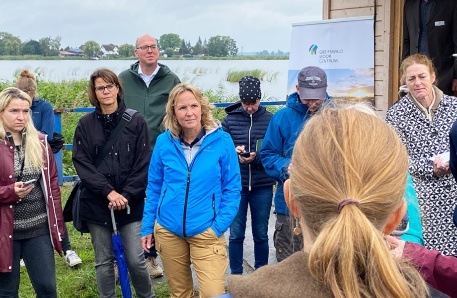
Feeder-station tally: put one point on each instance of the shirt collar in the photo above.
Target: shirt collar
(198, 138)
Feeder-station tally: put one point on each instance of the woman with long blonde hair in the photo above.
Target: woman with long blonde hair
(348, 176)
(31, 223)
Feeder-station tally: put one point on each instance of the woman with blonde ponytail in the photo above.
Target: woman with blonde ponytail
(347, 179)
(31, 220)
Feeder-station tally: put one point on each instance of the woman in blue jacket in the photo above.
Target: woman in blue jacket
(192, 196)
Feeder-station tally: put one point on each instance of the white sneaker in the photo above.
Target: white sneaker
(22, 263)
(72, 258)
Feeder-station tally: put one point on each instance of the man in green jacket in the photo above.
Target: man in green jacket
(147, 85)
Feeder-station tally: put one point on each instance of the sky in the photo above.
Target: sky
(255, 25)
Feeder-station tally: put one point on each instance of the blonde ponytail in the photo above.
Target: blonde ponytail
(346, 154)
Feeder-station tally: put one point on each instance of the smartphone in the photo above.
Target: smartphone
(402, 227)
(245, 154)
(27, 183)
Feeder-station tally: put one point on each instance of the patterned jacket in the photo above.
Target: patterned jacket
(423, 140)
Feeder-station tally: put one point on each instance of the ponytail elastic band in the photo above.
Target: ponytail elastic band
(346, 202)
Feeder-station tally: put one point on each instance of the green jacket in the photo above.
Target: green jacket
(149, 102)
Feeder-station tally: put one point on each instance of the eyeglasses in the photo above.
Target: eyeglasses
(101, 89)
(146, 48)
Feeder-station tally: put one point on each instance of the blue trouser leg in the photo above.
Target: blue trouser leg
(259, 201)
(38, 256)
(66, 240)
(237, 231)
(260, 206)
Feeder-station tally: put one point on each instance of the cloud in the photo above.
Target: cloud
(255, 25)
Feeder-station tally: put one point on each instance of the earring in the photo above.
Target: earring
(297, 230)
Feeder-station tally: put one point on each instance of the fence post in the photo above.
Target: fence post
(58, 155)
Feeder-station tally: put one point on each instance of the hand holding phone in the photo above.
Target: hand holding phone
(245, 154)
(27, 183)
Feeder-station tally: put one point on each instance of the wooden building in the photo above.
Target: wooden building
(388, 28)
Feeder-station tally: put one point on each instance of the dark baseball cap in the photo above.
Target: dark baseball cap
(312, 83)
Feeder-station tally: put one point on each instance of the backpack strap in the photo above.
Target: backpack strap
(126, 117)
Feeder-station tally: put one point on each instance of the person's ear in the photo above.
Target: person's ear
(290, 201)
(433, 77)
(395, 219)
(298, 88)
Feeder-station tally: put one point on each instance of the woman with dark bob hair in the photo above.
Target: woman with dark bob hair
(119, 180)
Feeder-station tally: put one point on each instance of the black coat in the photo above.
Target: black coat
(441, 34)
(246, 130)
(124, 169)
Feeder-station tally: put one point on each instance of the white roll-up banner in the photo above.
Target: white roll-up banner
(343, 48)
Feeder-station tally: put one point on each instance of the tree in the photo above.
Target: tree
(222, 46)
(170, 40)
(9, 44)
(50, 46)
(198, 48)
(31, 47)
(126, 50)
(183, 50)
(91, 48)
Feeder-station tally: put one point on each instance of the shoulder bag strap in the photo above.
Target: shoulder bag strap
(126, 117)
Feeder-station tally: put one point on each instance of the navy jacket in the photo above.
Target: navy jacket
(246, 130)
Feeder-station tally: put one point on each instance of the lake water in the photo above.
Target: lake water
(205, 74)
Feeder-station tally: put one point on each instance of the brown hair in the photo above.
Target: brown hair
(349, 154)
(417, 59)
(169, 121)
(26, 82)
(108, 76)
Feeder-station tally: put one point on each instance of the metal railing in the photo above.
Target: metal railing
(69, 146)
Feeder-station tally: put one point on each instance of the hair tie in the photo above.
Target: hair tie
(346, 202)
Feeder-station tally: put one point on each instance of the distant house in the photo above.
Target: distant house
(109, 49)
(71, 52)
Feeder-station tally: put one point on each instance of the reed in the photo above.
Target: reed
(236, 75)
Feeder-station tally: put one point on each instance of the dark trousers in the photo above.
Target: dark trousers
(285, 241)
(38, 256)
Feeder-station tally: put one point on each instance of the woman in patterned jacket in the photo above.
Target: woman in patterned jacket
(422, 119)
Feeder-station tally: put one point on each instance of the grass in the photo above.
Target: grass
(235, 76)
(79, 281)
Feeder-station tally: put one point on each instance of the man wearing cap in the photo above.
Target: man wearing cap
(283, 130)
(247, 122)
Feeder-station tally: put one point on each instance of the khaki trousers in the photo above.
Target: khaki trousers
(206, 252)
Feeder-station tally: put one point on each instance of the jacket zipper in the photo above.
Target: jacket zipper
(189, 170)
(185, 204)
(249, 146)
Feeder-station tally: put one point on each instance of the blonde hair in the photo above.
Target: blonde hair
(417, 59)
(26, 82)
(33, 147)
(170, 122)
(349, 154)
